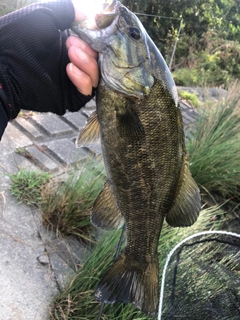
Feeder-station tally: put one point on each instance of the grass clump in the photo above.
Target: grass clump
(214, 152)
(27, 186)
(66, 205)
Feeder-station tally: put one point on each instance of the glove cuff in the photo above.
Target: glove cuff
(5, 104)
(3, 119)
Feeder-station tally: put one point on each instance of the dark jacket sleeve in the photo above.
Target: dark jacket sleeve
(33, 59)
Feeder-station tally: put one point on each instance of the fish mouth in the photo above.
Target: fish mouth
(111, 9)
(100, 17)
(99, 23)
(109, 6)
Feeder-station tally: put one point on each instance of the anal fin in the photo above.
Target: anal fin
(105, 213)
(187, 204)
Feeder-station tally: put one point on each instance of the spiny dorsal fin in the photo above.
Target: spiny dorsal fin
(187, 204)
(90, 133)
(105, 213)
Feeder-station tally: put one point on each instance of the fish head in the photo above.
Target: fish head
(121, 40)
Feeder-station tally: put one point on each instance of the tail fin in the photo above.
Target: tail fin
(129, 281)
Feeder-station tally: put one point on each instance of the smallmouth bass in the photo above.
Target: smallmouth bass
(140, 125)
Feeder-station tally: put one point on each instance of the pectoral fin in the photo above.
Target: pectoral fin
(90, 133)
(130, 125)
(105, 213)
(187, 204)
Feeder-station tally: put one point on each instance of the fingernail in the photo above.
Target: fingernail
(81, 54)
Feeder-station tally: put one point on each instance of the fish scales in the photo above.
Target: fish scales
(144, 182)
(140, 125)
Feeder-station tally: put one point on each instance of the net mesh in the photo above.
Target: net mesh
(201, 279)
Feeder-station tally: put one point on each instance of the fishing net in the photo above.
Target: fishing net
(201, 278)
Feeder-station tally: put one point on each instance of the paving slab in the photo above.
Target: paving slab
(40, 158)
(12, 162)
(13, 138)
(76, 119)
(89, 108)
(31, 130)
(65, 152)
(53, 125)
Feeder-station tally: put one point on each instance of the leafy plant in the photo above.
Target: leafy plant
(209, 61)
(27, 186)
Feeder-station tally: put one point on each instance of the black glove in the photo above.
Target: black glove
(3, 119)
(33, 59)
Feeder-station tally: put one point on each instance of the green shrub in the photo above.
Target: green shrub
(212, 61)
(191, 97)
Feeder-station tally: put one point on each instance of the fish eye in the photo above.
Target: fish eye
(134, 33)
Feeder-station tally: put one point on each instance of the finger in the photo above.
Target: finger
(80, 79)
(85, 63)
(77, 42)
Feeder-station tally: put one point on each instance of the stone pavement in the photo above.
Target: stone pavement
(47, 141)
(35, 263)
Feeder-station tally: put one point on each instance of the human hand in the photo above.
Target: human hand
(83, 68)
(34, 76)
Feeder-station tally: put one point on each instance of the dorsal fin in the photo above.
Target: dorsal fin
(90, 133)
(187, 204)
(105, 213)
